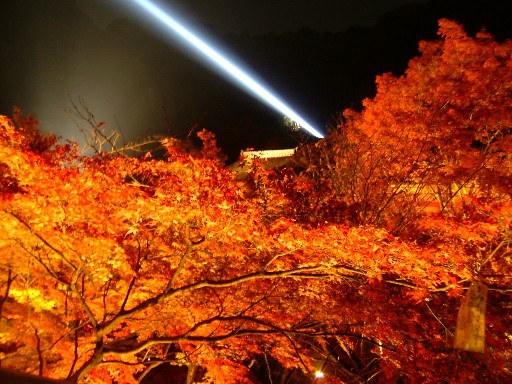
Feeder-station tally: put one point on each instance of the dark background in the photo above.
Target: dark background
(58, 51)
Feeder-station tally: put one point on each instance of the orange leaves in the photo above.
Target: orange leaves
(466, 74)
(171, 257)
(227, 371)
(431, 134)
(417, 295)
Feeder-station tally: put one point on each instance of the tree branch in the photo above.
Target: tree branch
(26, 225)
(80, 298)
(10, 280)
(264, 328)
(179, 268)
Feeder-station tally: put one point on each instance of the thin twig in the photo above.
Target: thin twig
(437, 318)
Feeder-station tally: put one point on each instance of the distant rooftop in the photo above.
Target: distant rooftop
(272, 159)
(269, 154)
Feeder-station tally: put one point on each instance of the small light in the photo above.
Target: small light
(319, 374)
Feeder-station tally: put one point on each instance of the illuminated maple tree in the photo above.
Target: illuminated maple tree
(113, 266)
(443, 127)
(429, 159)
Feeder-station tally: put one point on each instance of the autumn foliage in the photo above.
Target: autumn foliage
(354, 263)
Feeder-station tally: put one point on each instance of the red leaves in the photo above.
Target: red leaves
(210, 149)
(176, 259)
(34, 139)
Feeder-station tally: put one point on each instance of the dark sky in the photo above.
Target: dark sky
(263, 16)
(62, 49)
(54, 51)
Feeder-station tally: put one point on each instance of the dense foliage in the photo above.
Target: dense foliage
(356, 265)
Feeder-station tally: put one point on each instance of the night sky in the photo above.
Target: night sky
(320, 55)
(263, 16)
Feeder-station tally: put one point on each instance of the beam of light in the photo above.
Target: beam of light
(230, 69)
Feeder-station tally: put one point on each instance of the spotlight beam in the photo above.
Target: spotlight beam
(230, 69)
